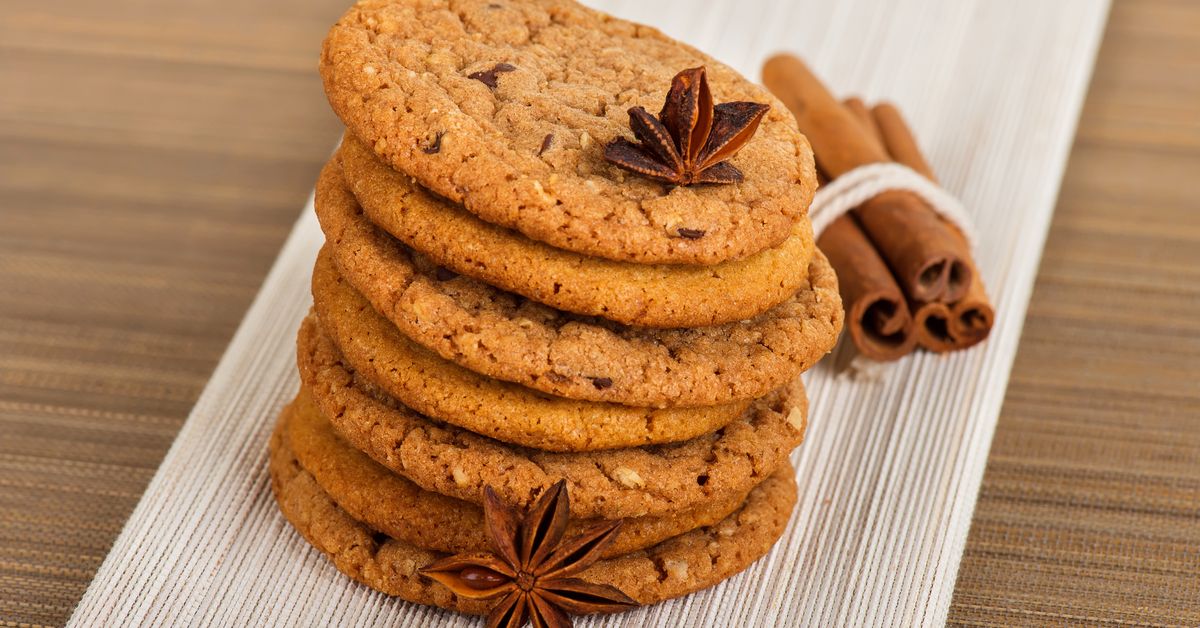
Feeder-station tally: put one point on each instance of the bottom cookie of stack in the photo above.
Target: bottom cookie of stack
(319, 481)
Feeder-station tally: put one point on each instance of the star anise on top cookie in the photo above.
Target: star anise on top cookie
(530, 567)
(691, 139)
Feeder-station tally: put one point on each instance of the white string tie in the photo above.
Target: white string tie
(866, 182)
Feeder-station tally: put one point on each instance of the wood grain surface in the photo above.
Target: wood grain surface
(1089, 512)
(153, 157)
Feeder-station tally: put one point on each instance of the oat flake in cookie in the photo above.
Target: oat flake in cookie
(507, 106)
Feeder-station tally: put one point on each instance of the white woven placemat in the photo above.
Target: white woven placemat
(890, 471)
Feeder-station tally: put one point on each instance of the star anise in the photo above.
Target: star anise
(530, 566)
(691, 140)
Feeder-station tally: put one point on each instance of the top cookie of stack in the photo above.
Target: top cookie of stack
(505, 107)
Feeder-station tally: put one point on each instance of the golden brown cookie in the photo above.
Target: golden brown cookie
(506, 107)
(443, 390)
(635, 482)
(631, 294)
(507, 337)
(681, 565)
(391, 504)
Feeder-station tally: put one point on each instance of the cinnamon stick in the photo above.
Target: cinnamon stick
(927, 257)
(862, 114)
(931, 321)
(931, 328)
(971, 318)
(877, 315)
(898, 140)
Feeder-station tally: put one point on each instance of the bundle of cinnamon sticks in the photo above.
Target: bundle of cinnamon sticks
(907, 276)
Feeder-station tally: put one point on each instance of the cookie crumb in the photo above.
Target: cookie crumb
(460, 477)
(795, 418)
(677, 569)
(546, 198)
(421, 311)
(628, 477)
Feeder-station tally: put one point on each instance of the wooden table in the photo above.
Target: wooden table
(153, 157)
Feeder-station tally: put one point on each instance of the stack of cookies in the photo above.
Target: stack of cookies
(525, 303)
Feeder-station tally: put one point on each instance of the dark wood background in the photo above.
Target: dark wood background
(153, 156)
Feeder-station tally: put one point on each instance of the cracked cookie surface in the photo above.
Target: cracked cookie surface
(633, 482)
(681, 565)
(632, 294)
(507, 337)
(506, 107)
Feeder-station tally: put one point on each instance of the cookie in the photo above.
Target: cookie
(634, 482)
(507, 337)
(681, 565)
(512, 413)
(631, 294)
(391, 504)
(506, 108)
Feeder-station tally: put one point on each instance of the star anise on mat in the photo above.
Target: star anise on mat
(691, 140)
(530, 566)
